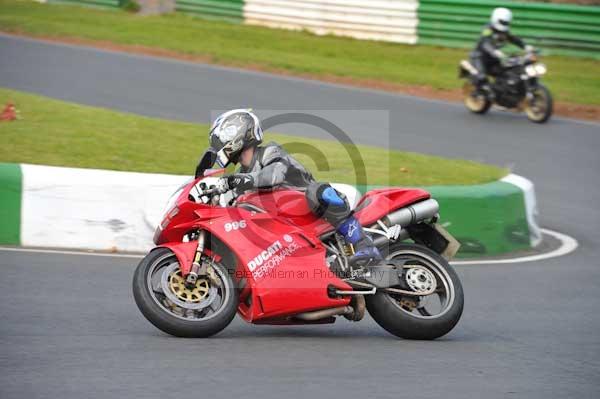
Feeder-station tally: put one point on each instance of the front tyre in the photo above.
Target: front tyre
(192, 312)
(419, 317)
(540, 106)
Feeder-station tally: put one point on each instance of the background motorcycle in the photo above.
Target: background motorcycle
(516, 86)
(268, 257)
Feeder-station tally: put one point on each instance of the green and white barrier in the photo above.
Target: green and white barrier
(556, 28)
(90, 3)
(10, 203)
(489, 219)
(564, 29)
(228, 10)
(43, 206)
(493, 218)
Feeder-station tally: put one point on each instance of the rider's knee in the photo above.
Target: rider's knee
(328, 203)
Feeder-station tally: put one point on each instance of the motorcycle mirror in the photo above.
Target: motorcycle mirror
(206, 162)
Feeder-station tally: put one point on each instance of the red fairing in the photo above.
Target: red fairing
(375, 204)
(283, 269)
(290, 205)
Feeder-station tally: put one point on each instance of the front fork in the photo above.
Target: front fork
(530, 85)
(201, 264)
(197, 268)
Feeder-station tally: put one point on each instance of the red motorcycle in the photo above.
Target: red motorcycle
(268, 257)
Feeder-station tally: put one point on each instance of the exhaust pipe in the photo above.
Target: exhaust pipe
(380, 240)
(325, 313)
(413, 213)
(467, 66)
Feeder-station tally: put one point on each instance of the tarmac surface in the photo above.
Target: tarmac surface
(70, 329)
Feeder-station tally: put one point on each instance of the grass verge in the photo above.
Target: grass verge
(298, 53)
(52, 132)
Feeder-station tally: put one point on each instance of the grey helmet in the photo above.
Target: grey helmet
(232, 132)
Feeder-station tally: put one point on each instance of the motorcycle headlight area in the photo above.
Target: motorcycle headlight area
(535, 70)
(172, 200)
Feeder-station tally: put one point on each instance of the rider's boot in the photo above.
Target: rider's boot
(365, 251)
(484, 87)
(488, 92)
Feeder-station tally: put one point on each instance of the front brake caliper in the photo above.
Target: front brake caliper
(212, 275)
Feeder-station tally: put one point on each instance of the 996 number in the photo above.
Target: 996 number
(235, 225)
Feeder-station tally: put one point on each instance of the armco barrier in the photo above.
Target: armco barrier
(555, 28)
(231, 10)
(93, 3)
(491, 218)
(106, 210)
(10, 203)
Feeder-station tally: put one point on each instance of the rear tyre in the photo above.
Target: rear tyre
(160, 294)
(474, 100)
(539, 108)
(422, 318)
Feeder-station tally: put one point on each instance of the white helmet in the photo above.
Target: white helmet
(501, 18)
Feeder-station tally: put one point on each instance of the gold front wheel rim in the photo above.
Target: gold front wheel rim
(196, 294)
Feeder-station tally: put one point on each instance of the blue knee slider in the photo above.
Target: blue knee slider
(331, 197)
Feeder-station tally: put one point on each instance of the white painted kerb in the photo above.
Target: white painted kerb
(91, 209)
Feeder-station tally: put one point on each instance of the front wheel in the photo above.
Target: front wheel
(419, 317)
(475, 100)
(161, 294)
(539, 107)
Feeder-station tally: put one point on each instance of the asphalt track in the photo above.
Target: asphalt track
(69, 327)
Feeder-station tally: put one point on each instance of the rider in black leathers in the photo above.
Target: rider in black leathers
(487, 57)
(237, 136)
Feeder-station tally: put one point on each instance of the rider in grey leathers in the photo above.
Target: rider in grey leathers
(236, 136)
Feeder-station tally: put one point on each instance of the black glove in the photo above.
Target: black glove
(241, 182)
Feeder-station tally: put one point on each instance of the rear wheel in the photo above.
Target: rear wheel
(423, 317)
(164, 299)
(540, 106)
(474, 100)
